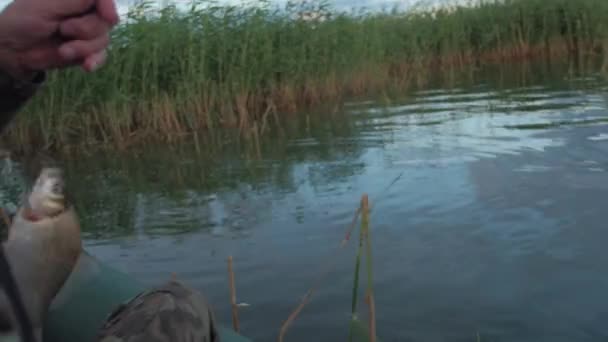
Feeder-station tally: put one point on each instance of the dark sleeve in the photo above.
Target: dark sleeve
(13, 95)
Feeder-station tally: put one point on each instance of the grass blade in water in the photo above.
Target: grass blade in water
(360, 332)
(370, 279)
(356, 279)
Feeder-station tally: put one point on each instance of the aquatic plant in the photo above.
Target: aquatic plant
(355, 332)
(173, 72)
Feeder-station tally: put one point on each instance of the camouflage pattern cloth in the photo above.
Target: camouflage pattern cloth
(170, 313)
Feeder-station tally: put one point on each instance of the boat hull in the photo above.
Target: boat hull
(89, 296)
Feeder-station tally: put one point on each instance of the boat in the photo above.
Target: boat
(89, 295)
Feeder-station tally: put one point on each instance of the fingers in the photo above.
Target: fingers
(42, 58)
(48, 57)
(74, 50)
(90, 34)
(106, 9)
(85, 27)
(67, 8)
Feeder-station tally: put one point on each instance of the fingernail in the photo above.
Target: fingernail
(94, 65)
(90, 65)
(96, 61)
(67, 52)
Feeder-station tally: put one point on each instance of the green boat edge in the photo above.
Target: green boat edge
(94, 289)
(91, 292)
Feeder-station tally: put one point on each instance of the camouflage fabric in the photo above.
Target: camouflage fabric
(170, 313)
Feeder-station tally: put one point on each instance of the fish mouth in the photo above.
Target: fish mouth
(47, 196)
(54, 202)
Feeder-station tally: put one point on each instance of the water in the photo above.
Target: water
(494, 224)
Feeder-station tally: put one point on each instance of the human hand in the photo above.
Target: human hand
(38, 35)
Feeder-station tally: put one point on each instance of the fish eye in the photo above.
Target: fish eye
(57, 187)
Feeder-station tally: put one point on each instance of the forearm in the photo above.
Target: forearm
(15, 94)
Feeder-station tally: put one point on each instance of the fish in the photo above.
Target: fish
(42, 247)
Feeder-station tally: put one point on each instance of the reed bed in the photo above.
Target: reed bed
(173, 72)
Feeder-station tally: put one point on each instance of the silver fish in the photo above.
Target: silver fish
(47, 197)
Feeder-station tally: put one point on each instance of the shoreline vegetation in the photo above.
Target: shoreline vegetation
(172, 73)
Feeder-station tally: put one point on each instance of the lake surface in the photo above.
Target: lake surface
(489, 213)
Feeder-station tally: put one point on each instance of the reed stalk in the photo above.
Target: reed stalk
(233, 304)
(322, 276)
(355, 293)
(368, 257)
(364, 239)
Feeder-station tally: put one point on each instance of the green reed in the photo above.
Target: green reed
(357, 331)
(174, 72)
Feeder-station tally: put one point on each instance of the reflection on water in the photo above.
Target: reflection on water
(494, 225)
